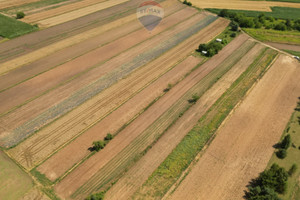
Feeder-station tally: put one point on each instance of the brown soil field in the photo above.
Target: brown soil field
(242, 5)
(243, 145)
(83, 173)
(106, 98)
(35, 194)
(139, 173)
(60, 10)
(284, 46)
(28, 90)
(30, 42)
(11, 3)
(52, 21)
(72, 48)
(121, 116)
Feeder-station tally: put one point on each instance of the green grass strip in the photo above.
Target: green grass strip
(295, 53)
(11, 28)
(182, 156)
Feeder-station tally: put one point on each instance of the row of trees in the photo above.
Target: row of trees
(261, 21)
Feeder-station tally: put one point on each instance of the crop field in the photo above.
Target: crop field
(94, 74)
(243, 5)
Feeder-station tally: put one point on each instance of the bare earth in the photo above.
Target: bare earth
(284, 46)
(11, 3)
(243, 145)
(138, 174)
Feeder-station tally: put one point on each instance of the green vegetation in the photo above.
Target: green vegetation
(181, 157)
(20, 15)
(277, 12)
(14, 182)
(292, 1)
(281, 153)
(214, 47)
(187, 3)
(295, 53)
(100, 144)
(10, 28)
(97, 196)
(292, 160)
(291, 37)
(194, 98)
(268, 183)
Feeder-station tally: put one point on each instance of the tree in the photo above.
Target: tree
(97, 196)
(202, 47)
(286, 142)
(234, 26)
(20, 15)
(281, 153)
(108, 137)
(194, 98)
(224, 13)
(293, 169)
(280, 27)
(98, 145)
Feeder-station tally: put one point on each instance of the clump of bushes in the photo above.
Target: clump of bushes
(268, 184)
(283, 146)
(20, 15)
(211, 48)
(293, 169)
(194, 98)
(100, 144)
(97, 196)
(187, 3)
(281, 153)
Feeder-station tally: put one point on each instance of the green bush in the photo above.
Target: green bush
(233, 35)
(20, 15)
(108, 137)
(187, 3)
(97, 196)
(98, 145)
(281, 153)
(293, 169)
(194, 98)
(286, 142)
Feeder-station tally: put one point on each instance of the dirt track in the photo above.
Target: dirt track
(243, 145)
(138, 174)
(11, 3)
(284, 46)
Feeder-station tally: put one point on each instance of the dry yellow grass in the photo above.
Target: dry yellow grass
(242, 5)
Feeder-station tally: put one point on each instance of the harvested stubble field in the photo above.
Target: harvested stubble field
(138, 174)
(101, 72)
(99, 77)
(244, 144)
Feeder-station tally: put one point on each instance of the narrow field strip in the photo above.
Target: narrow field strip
(138, 174)
(170, 170)
(52, 21)
(119, 163)
(60, 10)
(121, 116)
(11, 3)
(75, 46)
(128, 135)
(244, 144)
(85, 67)
(27, 43)
(59, 128)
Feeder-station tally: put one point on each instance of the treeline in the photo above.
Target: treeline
(260, 21)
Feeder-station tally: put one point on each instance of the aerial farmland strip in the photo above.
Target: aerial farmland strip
(244, 144)
(138, 174)
(60, 10)
(52, 55)
(11, 3)
(81, 66)
(129, 134)
(27, 43)
(60, 128)
(123, 114)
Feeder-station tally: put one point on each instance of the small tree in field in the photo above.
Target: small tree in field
(108, 137)
(281, 153)
(98, 145)
(293, 169)
(20, 15)
(286, 142)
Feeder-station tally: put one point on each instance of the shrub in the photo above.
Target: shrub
(187, 3)
(98, 145)
(97, 196)
(233, 35)
(108, 137)
(280, 27)
(286, 142)
(293, 169)
(224, 13)
(281, 153)
(234, 26)
(20, 15)
(194, 98)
